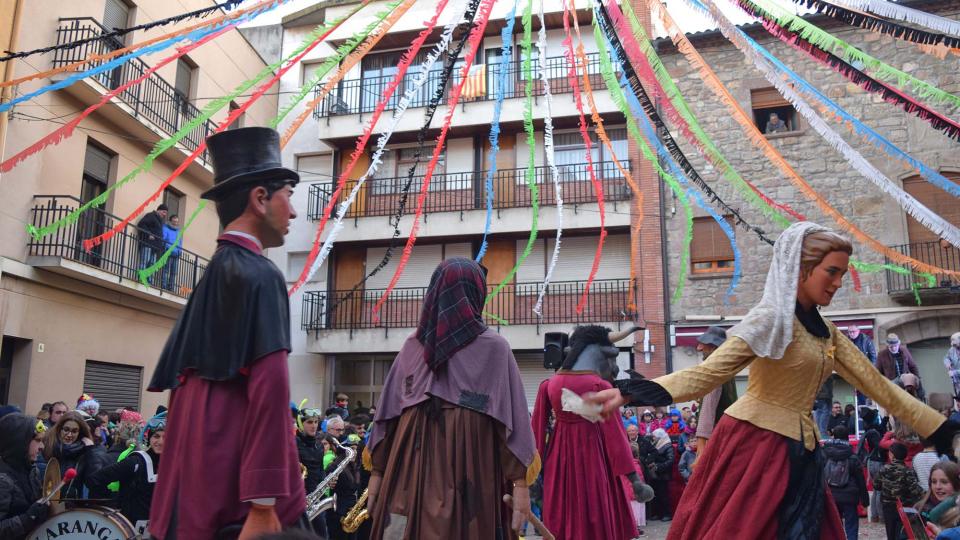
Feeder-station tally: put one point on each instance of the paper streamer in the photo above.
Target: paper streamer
(548, 147)
(506, 48)
(828, 42)
(680, 114)
(67, 129)
(915, 208)
(602, 135)
(312, 40)
(526, 46)
(145, 273)
(352, 59)
(651, 111)
(473, 43)
(901, 12)
(628, 79)
(855, 276)
(113, 54)
(881, 26)
(759, 140)
(317, 255)
(117, 62)
(861, 79)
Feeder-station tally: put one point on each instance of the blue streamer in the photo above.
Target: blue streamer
(675, 170)
(861, 129)
(506, 37)
(120, 60)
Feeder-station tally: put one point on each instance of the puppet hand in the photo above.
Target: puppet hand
(570, 401)
(943, 437)
(261, 520)
(641, 492)
(643, 392)
(521, 506)
(610, 399)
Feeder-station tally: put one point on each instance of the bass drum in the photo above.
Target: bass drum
(93, 523)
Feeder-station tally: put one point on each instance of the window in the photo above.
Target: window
(396, 166)
(710, 251)
(238, 123)
(377, 70)
(771, 112)
(183, 84)
(938, 201)
(570, 154)
(116, 14)
(175, 201)
(96, 173)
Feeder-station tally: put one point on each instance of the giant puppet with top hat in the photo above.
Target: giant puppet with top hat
(230, 467)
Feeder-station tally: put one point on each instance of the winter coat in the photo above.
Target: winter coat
(15, 522)
(866, 346)
(898, 481)
(170, 239)
(856, 488)
(888, 366)
(151, 230)
(85, 459)
(686, 464)
(136, 483)
(835, 421)
(663, 459)
(311, 456)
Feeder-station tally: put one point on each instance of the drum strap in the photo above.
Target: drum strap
(151, 474)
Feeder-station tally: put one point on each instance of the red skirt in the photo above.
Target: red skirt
(736, 488)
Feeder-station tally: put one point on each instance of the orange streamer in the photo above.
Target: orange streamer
(351, 60)
(760, 141)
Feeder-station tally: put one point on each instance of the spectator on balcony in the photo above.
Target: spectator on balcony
(776, 125)
(150, 235)
(171, 230)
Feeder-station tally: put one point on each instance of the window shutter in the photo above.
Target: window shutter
(709, 242)
(113, 385)
(116, 14)
(96, 163)
(765, 98)
(934, 198)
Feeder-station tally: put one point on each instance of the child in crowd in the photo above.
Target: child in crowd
(896, 481)
(674, 426)
(687, 459)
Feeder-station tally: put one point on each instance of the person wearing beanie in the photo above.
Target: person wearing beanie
(20, 443)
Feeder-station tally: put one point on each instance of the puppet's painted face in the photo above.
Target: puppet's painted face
(278, 214)
(818, 288)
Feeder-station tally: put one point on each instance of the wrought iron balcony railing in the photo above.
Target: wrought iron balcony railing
(933, 253)
(154, 100)
(359, 96)
(342, 310)
(453, 192)
(122, 255)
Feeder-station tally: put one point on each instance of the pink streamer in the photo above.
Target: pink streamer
(473, 43)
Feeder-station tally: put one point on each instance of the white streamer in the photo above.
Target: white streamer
(904, 13)
(376, 160)
(906, 201)
(548, 147)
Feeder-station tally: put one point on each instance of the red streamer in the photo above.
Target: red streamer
(67, 129)
(90, 243)
(473, 43)
(855, 276)
(364, 138)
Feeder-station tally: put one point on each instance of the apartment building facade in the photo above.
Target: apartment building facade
(79, 321)
(338, 345)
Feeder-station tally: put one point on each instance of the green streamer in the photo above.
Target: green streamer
(145, 273)
(853, 55)
(166, 144)
(616, 93)
(868, 268)
(500, 321)
(334, 60)
(673, 93)
(527, 47)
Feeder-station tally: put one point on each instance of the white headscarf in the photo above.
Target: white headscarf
(768, 327)
(660, 438)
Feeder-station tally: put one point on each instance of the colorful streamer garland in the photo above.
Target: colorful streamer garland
(117, 62)
(758, 139)
(473, 43)
(145, 273)
(548, 147)
(588, 144)
(162, 146)
(317, 254)
(73, 66)
(900, 12)
(876, 24)
(506, 48)
(629, 79)
(654, 75)
(861, 79)
(828, 42)
(67, 130)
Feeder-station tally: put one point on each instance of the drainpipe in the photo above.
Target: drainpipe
(8, 72)
(668, 354)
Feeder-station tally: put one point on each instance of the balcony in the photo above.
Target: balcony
(360, 96)
(905, 288)
(462, 191)
(608, 301)
(153, 101)
(115, 261)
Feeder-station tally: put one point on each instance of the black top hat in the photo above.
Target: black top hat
(715, 335)
(245, 156)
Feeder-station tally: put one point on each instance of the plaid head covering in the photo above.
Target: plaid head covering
(451, 317)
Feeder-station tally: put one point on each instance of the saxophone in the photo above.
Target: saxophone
(356, 516)
(316, 502)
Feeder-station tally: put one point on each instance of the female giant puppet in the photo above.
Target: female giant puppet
(584, 459)
(761, 476)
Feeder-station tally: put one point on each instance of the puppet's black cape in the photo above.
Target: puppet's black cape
(238, 313)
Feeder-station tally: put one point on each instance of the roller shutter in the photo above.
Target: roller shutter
(113, 385)
(532, 373)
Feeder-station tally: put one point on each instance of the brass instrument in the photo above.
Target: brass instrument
(356, 516)
(316, 502)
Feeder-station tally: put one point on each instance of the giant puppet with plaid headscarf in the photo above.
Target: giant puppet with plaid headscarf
(452, 433)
